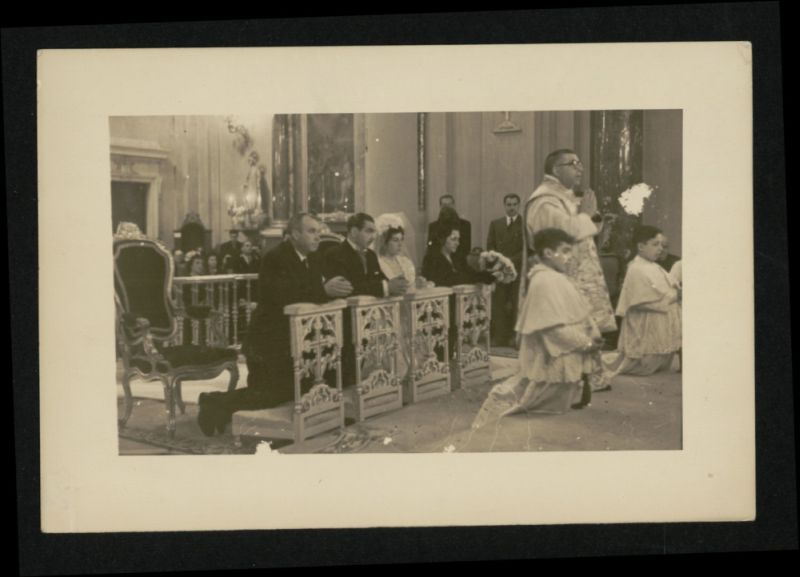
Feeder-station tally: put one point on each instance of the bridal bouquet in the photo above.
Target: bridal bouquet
(499, 265)
(633, 199)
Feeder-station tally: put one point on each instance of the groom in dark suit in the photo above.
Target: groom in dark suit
(505, 237)
(353, 260)
(290, 273)
(358, 264)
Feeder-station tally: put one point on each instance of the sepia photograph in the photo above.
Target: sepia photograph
(379, 289)
(441, 280)
(494, 281)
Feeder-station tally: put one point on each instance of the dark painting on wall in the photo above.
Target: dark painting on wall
(331, 177)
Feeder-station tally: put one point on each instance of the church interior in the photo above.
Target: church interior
(210, 196)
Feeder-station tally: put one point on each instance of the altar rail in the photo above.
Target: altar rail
(213, 309)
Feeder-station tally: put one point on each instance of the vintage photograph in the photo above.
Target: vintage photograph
(436, 281)
(429, 282)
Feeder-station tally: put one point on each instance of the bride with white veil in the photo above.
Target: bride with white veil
(391, 242)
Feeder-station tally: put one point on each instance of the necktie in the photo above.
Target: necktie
(363, 258)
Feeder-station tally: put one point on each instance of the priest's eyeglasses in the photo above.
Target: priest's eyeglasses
(572, 163)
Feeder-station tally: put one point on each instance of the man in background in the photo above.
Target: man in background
(505, 237)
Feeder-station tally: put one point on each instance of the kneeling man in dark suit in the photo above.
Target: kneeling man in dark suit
(290, 273)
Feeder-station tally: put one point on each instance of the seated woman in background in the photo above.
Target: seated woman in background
(212, 266)
(228, 265)
(650, 335)
(196, 265)
(444, 267)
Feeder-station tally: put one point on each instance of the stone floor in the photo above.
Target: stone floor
(639, 413)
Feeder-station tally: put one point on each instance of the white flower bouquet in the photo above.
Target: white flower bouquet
(499, 265)
(632, 200)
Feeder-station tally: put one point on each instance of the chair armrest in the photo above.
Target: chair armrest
(134, 328)
(137, 338)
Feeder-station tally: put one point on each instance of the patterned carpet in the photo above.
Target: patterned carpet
(147, 424)
(639, 413)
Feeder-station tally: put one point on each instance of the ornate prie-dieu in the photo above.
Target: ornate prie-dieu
(430, 323)
(376, 335)
(473, 316)
(316, 336)
(315, 333)
(317, 342)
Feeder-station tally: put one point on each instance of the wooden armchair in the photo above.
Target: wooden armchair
(146, 325)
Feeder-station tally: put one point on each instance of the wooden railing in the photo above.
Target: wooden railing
(213, 310)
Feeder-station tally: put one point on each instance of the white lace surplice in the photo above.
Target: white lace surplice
(556, 327)
(651, 328)
(554, 206)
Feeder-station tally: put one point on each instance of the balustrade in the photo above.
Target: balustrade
(213, 310)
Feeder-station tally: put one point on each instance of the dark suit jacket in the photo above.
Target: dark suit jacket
(506, 240)
(282, 280)
(231, 247)
(342, 260)
(465, 231)
(442, 272)
(241, 266)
